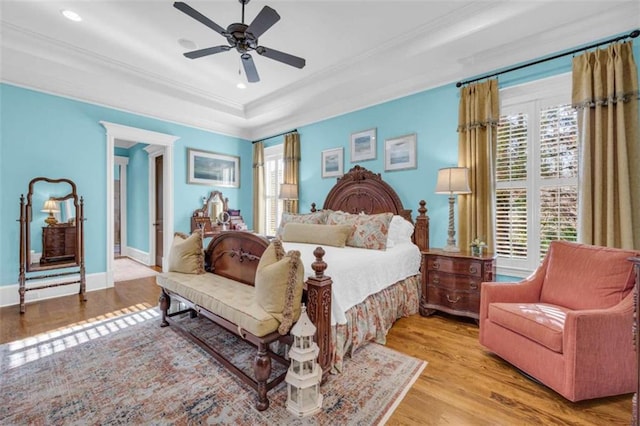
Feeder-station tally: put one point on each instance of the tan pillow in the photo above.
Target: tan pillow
(186, 254)
(319, 217)
(279, 281)
(329, 235)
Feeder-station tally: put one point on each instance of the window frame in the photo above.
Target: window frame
(531, 98)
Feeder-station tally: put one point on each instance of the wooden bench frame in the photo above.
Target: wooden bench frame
(235, 255)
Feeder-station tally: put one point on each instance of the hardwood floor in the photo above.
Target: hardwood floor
(461, 385)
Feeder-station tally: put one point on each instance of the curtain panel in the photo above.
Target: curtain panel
(258, 189)
(291, 165)
(478, 117)
(605, 93)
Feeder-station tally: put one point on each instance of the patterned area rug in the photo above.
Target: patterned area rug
(128, 370)
(125, 269)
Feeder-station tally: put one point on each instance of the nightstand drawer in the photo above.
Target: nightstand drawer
(454, 282)
(454, 300)
(455, 266)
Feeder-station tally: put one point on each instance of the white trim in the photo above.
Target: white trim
(118, 131)
(9, 294)
(137, 255)
(123, 162)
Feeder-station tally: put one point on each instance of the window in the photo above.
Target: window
(536, 173)
(273, 170)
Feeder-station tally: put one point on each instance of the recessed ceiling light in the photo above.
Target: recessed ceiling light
(71, 15)
(241, 85)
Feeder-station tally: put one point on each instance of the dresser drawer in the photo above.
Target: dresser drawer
(455, 266)
(454, 300)
(454, 282)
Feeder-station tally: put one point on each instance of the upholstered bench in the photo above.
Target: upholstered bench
(250, 287)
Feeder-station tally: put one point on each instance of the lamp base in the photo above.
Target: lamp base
(451, 249)
(51, 220)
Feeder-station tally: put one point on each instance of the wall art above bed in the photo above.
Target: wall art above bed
(400, 153)
(363, 145)
(332, 162)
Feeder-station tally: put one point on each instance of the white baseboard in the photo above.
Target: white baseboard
(138, 255)
(9, 294)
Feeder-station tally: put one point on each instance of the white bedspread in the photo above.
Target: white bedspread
(358, 273)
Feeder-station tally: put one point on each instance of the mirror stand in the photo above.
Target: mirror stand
(61, 242)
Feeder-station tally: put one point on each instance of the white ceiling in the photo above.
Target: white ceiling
(125, 54)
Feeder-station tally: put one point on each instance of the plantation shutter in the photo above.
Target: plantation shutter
(511, 186)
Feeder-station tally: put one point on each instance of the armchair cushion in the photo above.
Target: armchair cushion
(581, 276)
(540, 322)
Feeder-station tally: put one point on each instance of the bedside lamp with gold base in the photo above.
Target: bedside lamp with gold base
(51, 207)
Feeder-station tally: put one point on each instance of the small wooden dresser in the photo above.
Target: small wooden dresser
(58, 243)
(451, 281)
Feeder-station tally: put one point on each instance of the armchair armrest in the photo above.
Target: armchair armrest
(600, 340)
(525, 291)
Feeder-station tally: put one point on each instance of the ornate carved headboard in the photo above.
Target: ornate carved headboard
(361, 190)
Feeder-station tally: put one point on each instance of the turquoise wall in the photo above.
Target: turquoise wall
(46, 135)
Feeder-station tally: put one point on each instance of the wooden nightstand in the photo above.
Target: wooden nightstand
(451, 281)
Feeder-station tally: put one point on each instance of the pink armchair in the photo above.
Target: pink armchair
(569, 324)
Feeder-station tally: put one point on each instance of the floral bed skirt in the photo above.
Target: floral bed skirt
(372, 319)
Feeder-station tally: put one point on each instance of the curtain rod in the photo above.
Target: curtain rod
(275, 136)
(632, 34)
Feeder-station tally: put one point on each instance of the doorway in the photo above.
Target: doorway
(163, 145)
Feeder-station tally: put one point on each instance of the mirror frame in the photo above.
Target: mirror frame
(26, 217)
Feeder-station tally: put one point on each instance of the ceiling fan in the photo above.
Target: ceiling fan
(243, 37)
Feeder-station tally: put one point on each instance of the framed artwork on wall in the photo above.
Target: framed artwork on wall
(213, 169)
(363, 145)
(332, 162)
(400, 153)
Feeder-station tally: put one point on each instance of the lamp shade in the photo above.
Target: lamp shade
(50, 206)
(288, 191)
(453, 180)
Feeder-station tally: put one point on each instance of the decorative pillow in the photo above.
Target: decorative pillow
(329, 235)
(318, 218)
(400, 231)
(279, 282)
(369, 231)
(186, 254)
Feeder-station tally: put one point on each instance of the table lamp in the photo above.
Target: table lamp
(288, 192)
(51, 207)
(452, 180)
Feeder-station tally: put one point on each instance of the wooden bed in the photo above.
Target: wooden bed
(358, 191)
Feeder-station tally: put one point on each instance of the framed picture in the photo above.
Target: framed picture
(332, 162)
(210, 168)
(400, 153)
(363, 145)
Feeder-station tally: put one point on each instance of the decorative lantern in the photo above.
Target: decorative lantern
(304, 375)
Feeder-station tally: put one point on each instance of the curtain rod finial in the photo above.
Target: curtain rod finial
(634, 33)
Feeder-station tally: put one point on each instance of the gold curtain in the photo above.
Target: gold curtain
(605, 92)
(291, 165)
(478, 116)
(258, 188)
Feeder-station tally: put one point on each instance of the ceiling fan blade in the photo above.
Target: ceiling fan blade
(183, 7)
(285, 58)
(265, 20)
(204, 52)
(250, 68)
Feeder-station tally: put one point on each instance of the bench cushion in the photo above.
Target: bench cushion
(222, 296)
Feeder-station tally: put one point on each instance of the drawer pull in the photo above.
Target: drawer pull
(436, 280)
(453, 300)
(473, 269)
(435, 265)
(473, 285)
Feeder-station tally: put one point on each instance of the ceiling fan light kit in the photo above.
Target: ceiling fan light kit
(244, 38)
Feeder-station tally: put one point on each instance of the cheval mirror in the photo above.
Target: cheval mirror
(51, 236)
